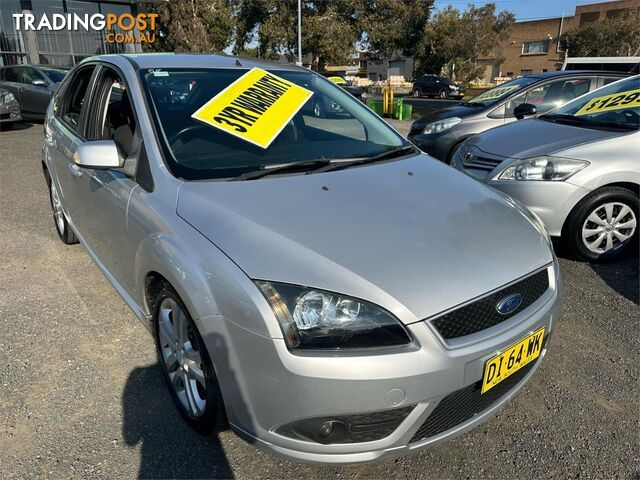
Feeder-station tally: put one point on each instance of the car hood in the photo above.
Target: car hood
(412, 235)
(353, 90)
(454, 111)
(530, 138)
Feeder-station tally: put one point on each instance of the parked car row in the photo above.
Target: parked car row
(28, 91)
(575, 166)
(333, 292)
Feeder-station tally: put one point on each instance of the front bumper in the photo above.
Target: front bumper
(437, 145)
(266, 386)
(10, 113)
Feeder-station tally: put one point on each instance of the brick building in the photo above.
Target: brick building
(533, 45)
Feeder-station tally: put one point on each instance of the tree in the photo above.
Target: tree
(453, 41)
(329, 29)
(391, 26)
(612, 37)
(193, 26)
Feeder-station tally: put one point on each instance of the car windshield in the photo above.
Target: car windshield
(55, 74)
(616, 105)
(332, 124)
(496, 94)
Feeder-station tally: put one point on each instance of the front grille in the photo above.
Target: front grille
(374, 426)
(461, 405)
(482, 163)
(482, 313)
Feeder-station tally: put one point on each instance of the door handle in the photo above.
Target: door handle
(75, 170)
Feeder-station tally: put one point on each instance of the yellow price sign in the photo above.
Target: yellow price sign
(337, 80)
(495, 92)
(256, 107)
(615, 101)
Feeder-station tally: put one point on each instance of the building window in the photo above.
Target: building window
(526, 71)
(509, 74)
(614, 13)
(589, 17)
(544, 70)
(532, 48)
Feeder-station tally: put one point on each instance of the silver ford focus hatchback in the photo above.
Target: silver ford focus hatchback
(314, 280)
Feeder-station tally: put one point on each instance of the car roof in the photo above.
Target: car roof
(561, 73)
(145, 61)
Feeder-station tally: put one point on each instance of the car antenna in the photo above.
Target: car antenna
(238, 64)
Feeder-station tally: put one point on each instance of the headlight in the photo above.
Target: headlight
(317, 319)
(542, 168)
(535, 220)
(453, 87)
(7, 97)
(441, 125)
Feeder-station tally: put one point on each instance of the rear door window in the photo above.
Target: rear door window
(74, 98)
(11, 74)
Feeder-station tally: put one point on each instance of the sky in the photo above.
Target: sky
(524, 9)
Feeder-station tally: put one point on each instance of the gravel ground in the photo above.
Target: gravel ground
(81, 394)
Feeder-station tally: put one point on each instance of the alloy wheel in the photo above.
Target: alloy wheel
(58, 214)
(443, 94)
(417, 93)
(181, 357)
(608, 227)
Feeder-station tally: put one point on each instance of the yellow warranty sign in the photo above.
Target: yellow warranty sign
(615, 101)
(495, 92)
(256, 107)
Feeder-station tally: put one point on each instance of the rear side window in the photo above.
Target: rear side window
(11, 74)
(74, 98)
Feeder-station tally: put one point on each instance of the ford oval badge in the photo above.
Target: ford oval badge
(509, 304)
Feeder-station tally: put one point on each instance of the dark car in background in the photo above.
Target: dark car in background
(437, 86)
(439, 132)
(32, 87)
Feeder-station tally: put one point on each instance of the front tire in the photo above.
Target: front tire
(603, 225)
(186, 365)
(443, 94)
(59, 218)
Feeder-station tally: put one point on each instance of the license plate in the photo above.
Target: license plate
(511, 360)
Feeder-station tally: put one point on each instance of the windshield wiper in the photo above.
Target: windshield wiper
(342, 164)
(282, 168)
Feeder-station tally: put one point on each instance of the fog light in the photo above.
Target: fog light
(365, 427)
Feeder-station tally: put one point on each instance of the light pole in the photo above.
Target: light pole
(299, 62)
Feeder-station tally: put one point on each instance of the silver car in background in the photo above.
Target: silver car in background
(577, 168)
(439, 132)
(339, 296)
(32, 87)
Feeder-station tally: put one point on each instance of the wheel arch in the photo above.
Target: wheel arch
(632, 186)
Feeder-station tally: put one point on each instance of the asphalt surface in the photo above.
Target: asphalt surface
(81, 394)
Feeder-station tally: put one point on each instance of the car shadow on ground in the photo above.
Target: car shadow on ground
(169, 447)
(16, 126)
(622, 275)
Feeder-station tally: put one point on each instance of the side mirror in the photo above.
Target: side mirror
(99, 154)
(524, 110)
(39, 83)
